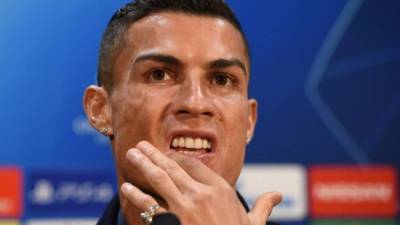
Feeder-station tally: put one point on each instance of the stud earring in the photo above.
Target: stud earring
(104, 131)
(248, 140)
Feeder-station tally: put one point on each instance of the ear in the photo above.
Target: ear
(98, 109)
(252, 119)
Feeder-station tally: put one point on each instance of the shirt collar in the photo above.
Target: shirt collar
(121, 218)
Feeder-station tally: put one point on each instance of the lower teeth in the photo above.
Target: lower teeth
(192, 152)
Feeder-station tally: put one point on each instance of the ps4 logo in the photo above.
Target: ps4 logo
(44, 192)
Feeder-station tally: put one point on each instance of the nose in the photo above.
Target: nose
(192, 99)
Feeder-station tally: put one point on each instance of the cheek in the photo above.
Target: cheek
(128, 108)
(235, 122)
(235, 114)
(137, 115)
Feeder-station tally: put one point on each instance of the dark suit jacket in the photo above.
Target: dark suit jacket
(110, 215)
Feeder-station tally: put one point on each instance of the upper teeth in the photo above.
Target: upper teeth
(188, 142)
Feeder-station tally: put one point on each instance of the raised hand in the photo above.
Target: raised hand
(192, 191)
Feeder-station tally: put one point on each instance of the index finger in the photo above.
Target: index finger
(183, 169)
(178, 175)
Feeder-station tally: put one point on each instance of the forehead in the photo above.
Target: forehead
(187, 36)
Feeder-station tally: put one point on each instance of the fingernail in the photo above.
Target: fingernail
(126, 187)
(144, 146)
(133, 154)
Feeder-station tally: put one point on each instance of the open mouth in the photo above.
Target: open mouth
(192, 146)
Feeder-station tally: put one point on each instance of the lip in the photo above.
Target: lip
(197, 133)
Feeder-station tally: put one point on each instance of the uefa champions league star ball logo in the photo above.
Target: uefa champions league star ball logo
(81, 127)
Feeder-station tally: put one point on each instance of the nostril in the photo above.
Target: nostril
(207, 114)
(183, 112)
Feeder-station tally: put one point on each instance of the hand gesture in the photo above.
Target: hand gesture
(191, 190)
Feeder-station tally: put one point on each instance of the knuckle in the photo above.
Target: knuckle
(147, 200)
(171, 167)
(141, 144)
(269, 208)
(186, 161)
(191, 162)
(226, 190)
(202, 195)
(150, 152)
(157, 176)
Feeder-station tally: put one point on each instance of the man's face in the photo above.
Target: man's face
(181, 83)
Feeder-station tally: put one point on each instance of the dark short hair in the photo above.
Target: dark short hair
(113, 37)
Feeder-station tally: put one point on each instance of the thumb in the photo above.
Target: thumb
(263, 206)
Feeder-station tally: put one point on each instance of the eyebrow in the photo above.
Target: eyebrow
(167, 59)
(223, 63)
(171, 60)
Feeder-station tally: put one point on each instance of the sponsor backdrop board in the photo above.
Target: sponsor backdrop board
(68, 193)
(9, 222)
(349, 191)
(62, 221)
(354, 222)
(290, 179)
(325, 73)
(11, 192)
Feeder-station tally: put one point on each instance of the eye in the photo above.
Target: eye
(222, 79)
(159, 75)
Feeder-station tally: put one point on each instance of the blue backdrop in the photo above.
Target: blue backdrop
(326, 75)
